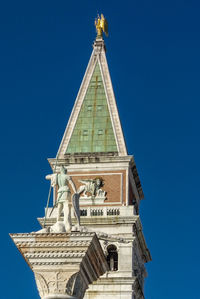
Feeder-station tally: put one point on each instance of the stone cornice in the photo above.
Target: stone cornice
(89, 158)
(126, 238)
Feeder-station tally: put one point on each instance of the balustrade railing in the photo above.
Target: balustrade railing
(98, 212)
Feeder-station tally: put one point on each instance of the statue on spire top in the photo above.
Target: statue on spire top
(101, 25)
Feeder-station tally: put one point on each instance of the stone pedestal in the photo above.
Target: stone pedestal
(64, 264)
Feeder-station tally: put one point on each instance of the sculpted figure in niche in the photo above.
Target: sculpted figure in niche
(64, 200)
(92, 187)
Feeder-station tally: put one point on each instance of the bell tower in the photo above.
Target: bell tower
(94, 151)
(91, 244)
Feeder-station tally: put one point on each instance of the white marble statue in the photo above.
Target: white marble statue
(64, 200)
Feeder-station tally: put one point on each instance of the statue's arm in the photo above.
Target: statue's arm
(53, 178)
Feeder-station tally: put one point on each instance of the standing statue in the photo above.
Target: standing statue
(64, 199)
(101, 25)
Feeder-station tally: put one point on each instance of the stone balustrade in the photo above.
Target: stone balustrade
(106, 211)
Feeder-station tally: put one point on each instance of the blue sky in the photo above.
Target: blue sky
(153, 55)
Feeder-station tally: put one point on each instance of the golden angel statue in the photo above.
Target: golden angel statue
(101, 25)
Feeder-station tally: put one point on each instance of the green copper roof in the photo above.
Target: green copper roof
(93, 130)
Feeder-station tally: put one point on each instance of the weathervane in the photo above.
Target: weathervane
(101, 25)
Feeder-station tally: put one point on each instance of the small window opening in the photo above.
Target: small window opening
(99, 108)
(89, 108)
(85, 132)
(112, 258)
(100, 132)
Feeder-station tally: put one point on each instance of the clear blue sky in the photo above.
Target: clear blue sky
(153, 52)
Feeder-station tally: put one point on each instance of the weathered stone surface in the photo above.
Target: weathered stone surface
(63, 264)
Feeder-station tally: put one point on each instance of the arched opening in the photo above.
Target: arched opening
(112, 257)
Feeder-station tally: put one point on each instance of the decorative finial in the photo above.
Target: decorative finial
(101, 25)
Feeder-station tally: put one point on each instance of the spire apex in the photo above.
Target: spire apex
(94, 125)
(101, 25)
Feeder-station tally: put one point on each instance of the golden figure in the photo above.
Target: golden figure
(101, 25)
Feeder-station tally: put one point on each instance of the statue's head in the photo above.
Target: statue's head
(99, 181)
(63, 169)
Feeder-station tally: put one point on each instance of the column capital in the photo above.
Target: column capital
(64, 264)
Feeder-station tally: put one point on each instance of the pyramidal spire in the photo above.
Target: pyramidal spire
(94, 125)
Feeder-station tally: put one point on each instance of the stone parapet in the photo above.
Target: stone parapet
(98, 211)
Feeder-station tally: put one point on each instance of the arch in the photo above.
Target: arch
(112, 257)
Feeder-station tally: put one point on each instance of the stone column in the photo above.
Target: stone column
(64, 264)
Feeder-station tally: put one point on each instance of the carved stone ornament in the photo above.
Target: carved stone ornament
(64, 264)
(91, 191)
(41, 284)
